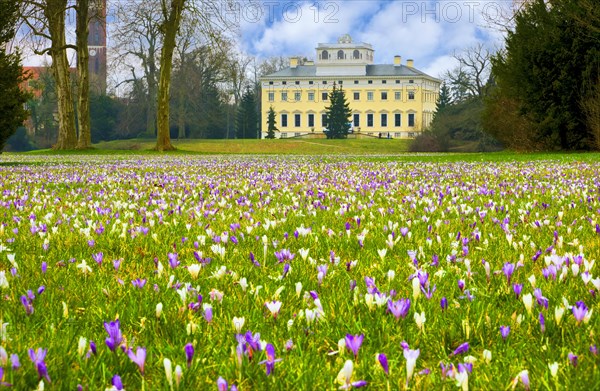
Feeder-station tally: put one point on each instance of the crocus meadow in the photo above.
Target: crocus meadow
(246, 273)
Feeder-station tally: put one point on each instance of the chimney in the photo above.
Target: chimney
(293, 62)
(397, 61)
(410, 63)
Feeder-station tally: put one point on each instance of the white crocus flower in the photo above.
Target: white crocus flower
(528, 302)
(83, 266)
(411, 361)
(487, 356)
(238, 323)
(82, 346)
(420, 320)
(553, 369)
(168, 371)
(243, 283)
(194, 270)
(159, 309)
(3, 280)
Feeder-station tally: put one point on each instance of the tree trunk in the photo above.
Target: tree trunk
(151, 79)
(55, 15)
(169, 28)
(83, 83)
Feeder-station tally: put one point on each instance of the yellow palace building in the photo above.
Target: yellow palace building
(387, 100)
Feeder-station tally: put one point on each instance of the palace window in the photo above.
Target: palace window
(370, 120)
(324, 96)
(297, 120)
(324, 120)
(356, 120)
(311, 120)
(411, 95)
(284, 120)
(383, 95)
(340, 55)
(411, 119)
(271, 96)
(297, 96)
(383, 119)
(357, 96)
(324, 55)
(397, 95)
(356, 54)
(397, 119)
(311, 96)
(369, 95)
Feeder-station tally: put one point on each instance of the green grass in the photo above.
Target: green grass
(253, 147)
(373, 149)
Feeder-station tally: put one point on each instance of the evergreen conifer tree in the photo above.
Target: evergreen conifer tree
(247, 118)
(271, 124)
(12, 98)
(338, 114)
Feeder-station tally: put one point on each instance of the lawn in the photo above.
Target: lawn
(311, 270)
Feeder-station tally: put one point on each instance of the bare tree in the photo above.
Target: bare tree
(137, 40)
(46, 23)
(472, 74)
(84, 140)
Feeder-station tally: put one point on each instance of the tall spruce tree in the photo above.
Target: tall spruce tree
(444, 99)
(12, 98)
(547, 69)
(246, 125)
(271, 124)
(338, 114)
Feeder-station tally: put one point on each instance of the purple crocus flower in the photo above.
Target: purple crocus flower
(462, 348)
(508, 269)
(504, 331)
(399, 308)
(271, 360)
(139, 283)
(542, 322)
(14, 362)
(579, 311)
(286, 269)
(139, 357)
(44, 267)
(222, 384)
(93, 347)
(352, 285)
(117, 382)
(189, 353)
(353, 342)
(573, 359)
(208, 314)
(382, 358)
(517, 288)
(461, 285)
(114, 334)
(98, 258)
(541, 300)
(444, 303)
(429, 292)
(28, 304)
(250, 343)
(117, 264)
(37, 358)
(173, 260)
(254, 261)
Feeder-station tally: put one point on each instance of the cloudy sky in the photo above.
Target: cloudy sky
(426, 31)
